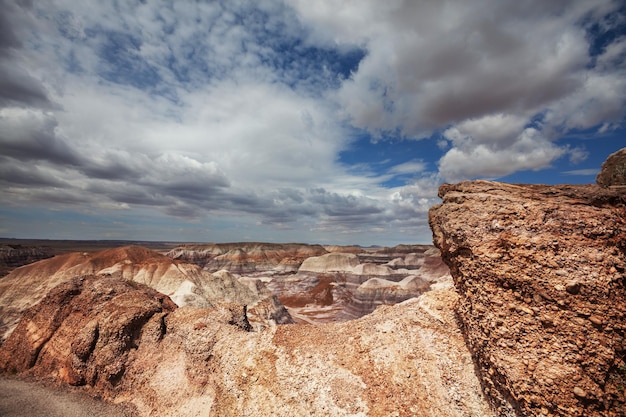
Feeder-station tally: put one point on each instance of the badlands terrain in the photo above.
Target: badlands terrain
(529, 320)
(222, 337)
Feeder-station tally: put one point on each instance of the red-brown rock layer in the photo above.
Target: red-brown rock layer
(540, 271)
(84, 330)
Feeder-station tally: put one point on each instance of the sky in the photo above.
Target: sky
(323, 121)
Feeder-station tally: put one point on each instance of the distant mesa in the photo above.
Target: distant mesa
(16, 255)
(330, 262)
(247, 257)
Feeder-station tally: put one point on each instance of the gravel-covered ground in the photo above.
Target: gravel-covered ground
(19, 398)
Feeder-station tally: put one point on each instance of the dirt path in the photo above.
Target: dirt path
(20, 398)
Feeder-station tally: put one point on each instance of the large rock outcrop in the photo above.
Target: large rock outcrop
(540, 271)
(84, 330)
(128, 343)
(613, 171)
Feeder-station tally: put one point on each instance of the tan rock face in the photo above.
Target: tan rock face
(613, 171)
(540, 271)
(129, 343)
(338, 262)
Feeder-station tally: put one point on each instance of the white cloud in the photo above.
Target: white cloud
(584, 172)
(412, 167)
(530, 151)
(484, 70)
(213, 110)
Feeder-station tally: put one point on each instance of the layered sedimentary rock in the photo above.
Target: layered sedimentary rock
(247, 258)
(83, 331)
(187, 284)
(128, 343)
(13, 256)
(540, 271)
(338, 287)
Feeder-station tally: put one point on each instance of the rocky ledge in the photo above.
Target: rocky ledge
(540, 271)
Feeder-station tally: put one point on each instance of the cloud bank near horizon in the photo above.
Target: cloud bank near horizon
(202, 114)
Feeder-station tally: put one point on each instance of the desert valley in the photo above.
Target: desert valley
(519, 309)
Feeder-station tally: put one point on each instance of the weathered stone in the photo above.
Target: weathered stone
(570, 249)
(572, 287)
(613, 171)
(579, 392)
(184, 283)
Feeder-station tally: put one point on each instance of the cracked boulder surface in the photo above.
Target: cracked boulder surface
(540, 272)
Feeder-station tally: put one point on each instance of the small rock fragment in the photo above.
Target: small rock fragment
(579, 392)
(573, 287)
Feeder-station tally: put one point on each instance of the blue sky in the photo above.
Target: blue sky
(291, 120)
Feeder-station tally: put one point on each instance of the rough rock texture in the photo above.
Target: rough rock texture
(83, 331)
(130, 344)
(541, 275)
(613, 171)
(187, 284)
(247, 258)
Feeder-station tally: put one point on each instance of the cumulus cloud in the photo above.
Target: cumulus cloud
(484, 70)
(530, 151)
(218, 111)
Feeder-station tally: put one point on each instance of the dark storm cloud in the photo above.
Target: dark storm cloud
(13, 173)
(345, 206)
(8, 37)
(17, 88)
(31, 136)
